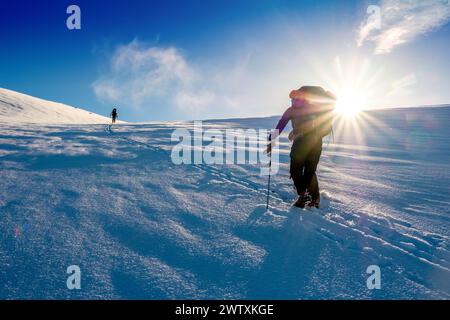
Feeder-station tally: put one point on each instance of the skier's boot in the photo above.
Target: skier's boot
(314, 203)
(303, 198)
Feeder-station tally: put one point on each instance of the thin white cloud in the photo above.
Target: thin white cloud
(403, 84)
(147, 77)
(401, 21)
(138, 74)
(194, 101)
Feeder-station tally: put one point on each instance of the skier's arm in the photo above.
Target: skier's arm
(281, 124)
(279, 128)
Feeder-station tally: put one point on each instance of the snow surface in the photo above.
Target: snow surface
(141, 227)
(20, 108)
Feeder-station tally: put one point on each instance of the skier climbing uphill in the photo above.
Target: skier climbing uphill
(114, 115)
(311, 118)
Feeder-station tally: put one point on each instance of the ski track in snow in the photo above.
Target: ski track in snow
(112, 202)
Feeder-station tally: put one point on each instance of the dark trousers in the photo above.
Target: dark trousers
(305, 156)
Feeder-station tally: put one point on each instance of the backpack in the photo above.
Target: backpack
(319, 117)
(324, 120)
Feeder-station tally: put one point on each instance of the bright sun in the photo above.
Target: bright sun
(350, 102)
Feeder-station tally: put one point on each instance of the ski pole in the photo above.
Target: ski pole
(268, 182)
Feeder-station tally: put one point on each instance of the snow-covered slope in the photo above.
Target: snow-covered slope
(139, 226)
(20, 108)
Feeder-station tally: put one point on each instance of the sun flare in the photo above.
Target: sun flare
(350, 102)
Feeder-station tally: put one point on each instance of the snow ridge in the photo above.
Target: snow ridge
(20, 108)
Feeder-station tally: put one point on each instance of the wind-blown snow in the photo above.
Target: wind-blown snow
(141, 227)
(20, 108)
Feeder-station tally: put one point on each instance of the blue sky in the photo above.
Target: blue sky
(167, 60)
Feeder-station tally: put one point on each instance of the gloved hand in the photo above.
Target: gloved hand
(269, 148)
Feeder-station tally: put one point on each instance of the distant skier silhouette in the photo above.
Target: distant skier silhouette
(311, 117)
(114, 115)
